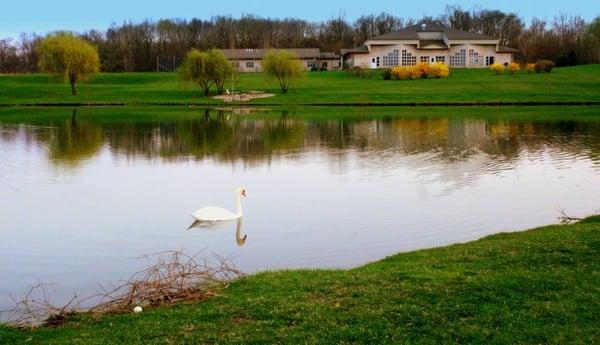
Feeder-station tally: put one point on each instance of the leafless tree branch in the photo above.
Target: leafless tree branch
(171, 277)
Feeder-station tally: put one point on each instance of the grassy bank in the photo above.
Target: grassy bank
(540, 286)
(469, 86)
(161, 114)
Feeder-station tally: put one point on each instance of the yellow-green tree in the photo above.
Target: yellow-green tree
(70, 57)
(221, 69)
(283, 66)
(196, 69)
(206, 69)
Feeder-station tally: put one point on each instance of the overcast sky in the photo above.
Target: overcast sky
(42, 16)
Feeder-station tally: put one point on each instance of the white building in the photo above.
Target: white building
(428, 43)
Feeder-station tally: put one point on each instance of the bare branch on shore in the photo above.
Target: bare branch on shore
(171, 277)
(565, 218)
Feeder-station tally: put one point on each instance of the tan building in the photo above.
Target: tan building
(428, 43)
(250, 60)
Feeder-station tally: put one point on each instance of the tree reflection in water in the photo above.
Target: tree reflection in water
(225, 136)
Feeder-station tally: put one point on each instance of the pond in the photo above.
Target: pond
(85, 191)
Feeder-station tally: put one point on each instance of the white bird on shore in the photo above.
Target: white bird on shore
(215, 214)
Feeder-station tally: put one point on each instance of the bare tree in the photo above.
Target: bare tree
(135, 46)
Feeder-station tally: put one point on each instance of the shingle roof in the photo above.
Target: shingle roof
(363, 49)
(410, 33)
(328, 55)
(251, 54)
(503, 49)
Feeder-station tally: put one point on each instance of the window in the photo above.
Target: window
(440, 59)
(391, 59)
(424, 59)
(324, 64)
(459, 59)
(474, 58)
(408, 59)
(310, 64)
(378, 61)
(489, 60)
(250, 64)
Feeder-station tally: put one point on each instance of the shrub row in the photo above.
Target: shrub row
(418, 71)
(512, 68)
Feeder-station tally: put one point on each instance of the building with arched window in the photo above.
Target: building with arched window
(428, 43)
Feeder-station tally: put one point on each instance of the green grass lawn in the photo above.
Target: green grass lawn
(568, 84)
(541, 286)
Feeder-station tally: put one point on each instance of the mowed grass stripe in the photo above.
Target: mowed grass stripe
(567, 85)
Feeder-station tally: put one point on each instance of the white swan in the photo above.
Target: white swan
(215, 214)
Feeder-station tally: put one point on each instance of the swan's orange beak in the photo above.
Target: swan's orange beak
(244, 193)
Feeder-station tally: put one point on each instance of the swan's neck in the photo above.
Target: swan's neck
(239, 205)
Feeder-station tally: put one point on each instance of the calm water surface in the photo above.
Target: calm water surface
(83, 192)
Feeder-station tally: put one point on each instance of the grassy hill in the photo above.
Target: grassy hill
(568, 84)
(536, 287)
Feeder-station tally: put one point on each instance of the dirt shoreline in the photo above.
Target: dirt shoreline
(320, 104)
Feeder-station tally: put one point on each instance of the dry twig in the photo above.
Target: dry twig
(566, 219)
(171, 277)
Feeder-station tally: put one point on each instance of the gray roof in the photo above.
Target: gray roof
(328, 55)
(363, 49)
(503, 49)
(410, 33)
(257, 54)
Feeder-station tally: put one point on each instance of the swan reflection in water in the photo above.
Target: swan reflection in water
(214, 225)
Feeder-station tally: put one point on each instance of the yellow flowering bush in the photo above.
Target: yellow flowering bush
(416, 73)
(513, 67)
(424, 68)
(401, 72)
(439, 70)
(498, 68)
(530, 67)
(420, 70)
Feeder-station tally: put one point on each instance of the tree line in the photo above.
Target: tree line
(566, 40)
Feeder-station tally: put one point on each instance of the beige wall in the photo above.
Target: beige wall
(483, 50)
(332, 64)
(504, 58)
(308, 64)
(360, 60)
(244, 66)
